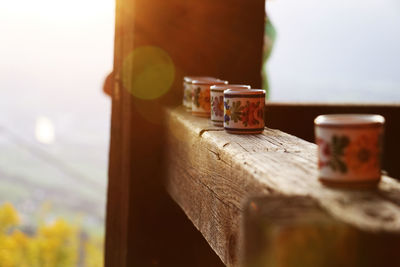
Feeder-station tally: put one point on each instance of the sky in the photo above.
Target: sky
(54, 57)
(335, 50)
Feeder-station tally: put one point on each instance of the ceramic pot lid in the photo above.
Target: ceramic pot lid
(346, 120)
(222, 87)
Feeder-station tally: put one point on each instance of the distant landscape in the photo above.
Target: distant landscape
(54, 58)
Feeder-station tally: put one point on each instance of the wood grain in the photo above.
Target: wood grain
(211, 173)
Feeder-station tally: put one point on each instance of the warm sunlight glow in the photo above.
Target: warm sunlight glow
(44, 130)
(148, 72)
(56, 11)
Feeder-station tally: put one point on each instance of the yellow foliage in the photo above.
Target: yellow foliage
(94, 253)
(8, 217)
(57, 244)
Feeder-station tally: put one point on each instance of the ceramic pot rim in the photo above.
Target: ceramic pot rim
(208, 81)
(244, 92)
(189, 79)
(252, 93)
(349, 120)
(223, 87)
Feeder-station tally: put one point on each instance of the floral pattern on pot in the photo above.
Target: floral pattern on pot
(249, 114)
(361, 155)
(217, 104)
(196, 96)
(233, 111)
(187, 95)
(252, 114)
(201, 100)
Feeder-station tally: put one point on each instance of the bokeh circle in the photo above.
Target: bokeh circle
(148, 72)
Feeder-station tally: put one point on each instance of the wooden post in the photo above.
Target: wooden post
(295, 231)
(204, 37)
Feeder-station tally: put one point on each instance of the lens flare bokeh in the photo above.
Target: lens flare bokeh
(148, 72)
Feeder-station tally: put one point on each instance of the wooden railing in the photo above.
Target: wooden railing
(214, 176)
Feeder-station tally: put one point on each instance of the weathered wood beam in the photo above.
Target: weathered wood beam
(211, 173)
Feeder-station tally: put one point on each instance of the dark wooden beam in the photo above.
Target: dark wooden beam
(204, 37)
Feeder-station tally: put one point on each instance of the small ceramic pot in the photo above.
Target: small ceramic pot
(244, 111)
(187, 90)
(201, 104)
(217, 101)
(349, 149)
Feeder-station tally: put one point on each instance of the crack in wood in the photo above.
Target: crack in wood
(219, 157)
(242, 147)
(209, 130)
(229, 204)
(226, 144)
(273, 143)
(215, 153)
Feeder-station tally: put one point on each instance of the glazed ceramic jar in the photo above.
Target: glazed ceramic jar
(349, 149)
(244, 111)
(187, 90)
(201, 104)
(217, 101)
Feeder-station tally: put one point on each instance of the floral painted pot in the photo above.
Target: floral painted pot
(201, 104)
(244, 111)
(217, 101)
(349, 149)
(187, 90)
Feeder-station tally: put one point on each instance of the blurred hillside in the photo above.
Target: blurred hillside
(54, 118)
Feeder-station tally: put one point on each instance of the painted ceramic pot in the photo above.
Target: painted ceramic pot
(349, 149)
(244, 111)
(217, 101)
(187, 90)
(201, 104)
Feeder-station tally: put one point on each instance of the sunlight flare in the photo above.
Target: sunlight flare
(44, 130)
